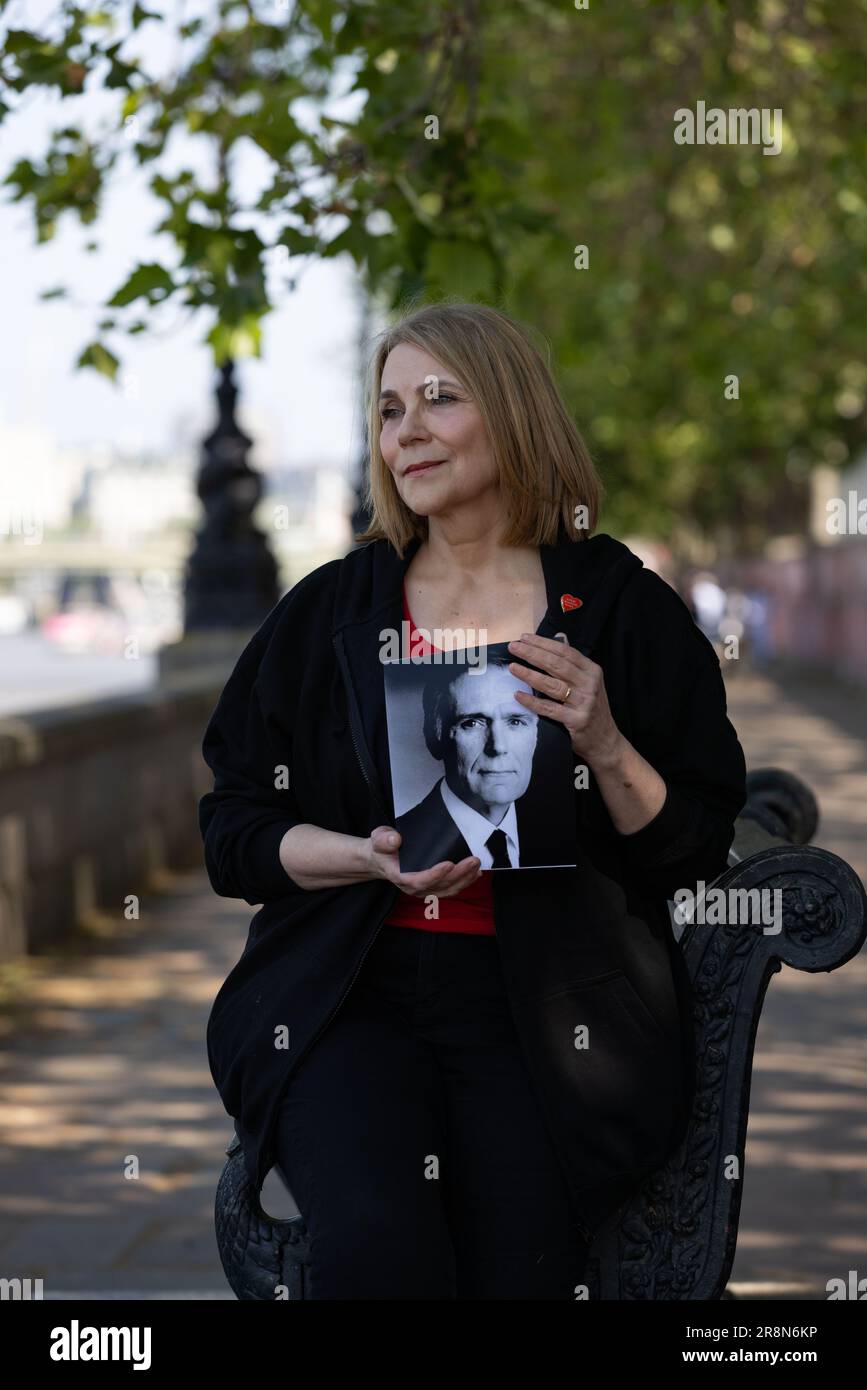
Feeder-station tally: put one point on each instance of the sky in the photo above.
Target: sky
(300, 398)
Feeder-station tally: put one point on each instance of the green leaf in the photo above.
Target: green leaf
(97, 356)
(151, 280)
(236, 340)
(299, 243)
(21, 41)
(140, 15)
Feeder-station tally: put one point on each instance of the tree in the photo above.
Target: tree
(402, 197)
(485, 144)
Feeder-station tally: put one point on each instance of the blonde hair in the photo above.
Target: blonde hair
(544, 467)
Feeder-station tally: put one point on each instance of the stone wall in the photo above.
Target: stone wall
(95, 800)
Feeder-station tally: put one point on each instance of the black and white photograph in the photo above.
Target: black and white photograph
(473, 771)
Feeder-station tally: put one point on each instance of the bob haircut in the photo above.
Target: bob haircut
(544, 467)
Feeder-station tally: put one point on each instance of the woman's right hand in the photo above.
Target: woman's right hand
(442, 880)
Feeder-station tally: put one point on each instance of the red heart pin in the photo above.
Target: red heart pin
(569, 601)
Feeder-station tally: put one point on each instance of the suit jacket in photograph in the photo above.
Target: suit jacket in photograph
(430, 835)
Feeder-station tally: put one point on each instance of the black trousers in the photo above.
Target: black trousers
(412, 1141)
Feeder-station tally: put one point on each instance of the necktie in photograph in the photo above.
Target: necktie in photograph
(496, 843)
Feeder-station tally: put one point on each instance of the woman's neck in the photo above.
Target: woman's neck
(472, 547)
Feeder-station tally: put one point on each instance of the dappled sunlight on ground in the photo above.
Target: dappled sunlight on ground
(104, 1061)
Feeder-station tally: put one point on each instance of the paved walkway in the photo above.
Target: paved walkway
(102, 1057)
(106, 1060)
(804, 1209)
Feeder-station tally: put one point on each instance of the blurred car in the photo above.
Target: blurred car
(114, 614)
(87, 628)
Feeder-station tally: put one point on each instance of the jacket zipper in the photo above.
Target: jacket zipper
(357, 731)
(354, 723)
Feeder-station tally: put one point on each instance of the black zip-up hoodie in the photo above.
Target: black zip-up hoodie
(299, 735)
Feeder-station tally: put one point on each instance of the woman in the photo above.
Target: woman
(461, 1073)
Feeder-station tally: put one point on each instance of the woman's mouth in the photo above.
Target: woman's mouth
(428, 467)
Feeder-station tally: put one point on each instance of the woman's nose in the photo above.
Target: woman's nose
(412, 426)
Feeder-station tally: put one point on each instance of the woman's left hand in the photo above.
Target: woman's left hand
(576, 690)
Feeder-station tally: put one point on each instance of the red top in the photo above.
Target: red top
(472, 909)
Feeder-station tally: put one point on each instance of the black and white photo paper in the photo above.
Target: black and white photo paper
(473, 771)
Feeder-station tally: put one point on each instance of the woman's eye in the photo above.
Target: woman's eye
(443, 396)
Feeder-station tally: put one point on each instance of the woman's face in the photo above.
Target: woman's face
(427, 417)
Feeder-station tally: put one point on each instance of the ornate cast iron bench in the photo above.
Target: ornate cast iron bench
(675, 1238)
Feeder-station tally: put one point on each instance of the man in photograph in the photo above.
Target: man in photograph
(486, 741)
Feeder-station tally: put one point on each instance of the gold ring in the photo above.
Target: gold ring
(566, 696)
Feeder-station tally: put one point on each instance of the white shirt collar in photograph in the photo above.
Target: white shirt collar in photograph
(476, 828)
